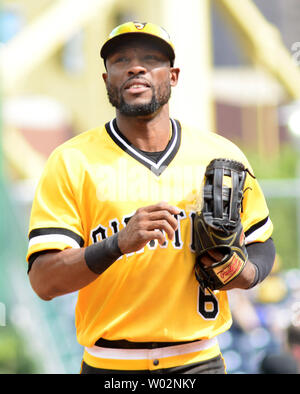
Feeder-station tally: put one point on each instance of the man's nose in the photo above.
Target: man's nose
(136, 67)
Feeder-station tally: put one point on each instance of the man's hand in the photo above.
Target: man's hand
(60, 272)
(211, 257)
(243, 281)
(148, 223)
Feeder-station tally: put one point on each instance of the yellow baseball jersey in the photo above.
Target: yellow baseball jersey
(90, 187)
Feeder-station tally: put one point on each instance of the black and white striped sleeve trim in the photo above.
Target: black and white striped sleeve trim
(54, 235)
(256, 231)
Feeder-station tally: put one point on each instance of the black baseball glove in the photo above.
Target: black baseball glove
(218, 225)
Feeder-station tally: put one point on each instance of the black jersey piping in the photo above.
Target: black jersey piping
(256, 226)
(51, 231)
(56, 231)
(167, 156)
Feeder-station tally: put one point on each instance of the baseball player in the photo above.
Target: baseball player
(113, 218)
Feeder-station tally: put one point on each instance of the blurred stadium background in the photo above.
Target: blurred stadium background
(240, 69)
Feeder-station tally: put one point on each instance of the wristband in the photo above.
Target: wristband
(101, 255)
(262, 256)
(256, 277)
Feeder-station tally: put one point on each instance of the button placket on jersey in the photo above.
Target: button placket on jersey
(154, 358)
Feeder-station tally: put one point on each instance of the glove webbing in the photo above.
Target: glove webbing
(226, 201)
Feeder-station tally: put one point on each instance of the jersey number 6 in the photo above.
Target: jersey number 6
(208, 306)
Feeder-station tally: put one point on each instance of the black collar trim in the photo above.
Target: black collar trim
(166, 157)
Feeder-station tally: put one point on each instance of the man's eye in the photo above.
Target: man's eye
(121, 59)
(154, 60)
(152, 57)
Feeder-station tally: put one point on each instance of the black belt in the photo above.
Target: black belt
(124, 344)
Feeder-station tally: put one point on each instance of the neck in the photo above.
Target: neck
(151, 133)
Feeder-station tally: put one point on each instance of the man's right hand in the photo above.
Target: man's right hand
(148, 223)
(61, 272)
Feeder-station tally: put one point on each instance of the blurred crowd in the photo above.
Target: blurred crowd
(265, 335)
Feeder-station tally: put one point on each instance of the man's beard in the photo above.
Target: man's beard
(159, 99)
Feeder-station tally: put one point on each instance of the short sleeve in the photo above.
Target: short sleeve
(257, 224)
(55, 221)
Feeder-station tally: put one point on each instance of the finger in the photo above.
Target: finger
(211, 257)
(164, 215)
(215, 254)
(148, 236)
(162, 206)
(207, 260)
(157, 234)
(162, 225)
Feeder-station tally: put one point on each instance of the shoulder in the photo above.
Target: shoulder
(82, 141)
(79, 146)
(72, 156)
(212, 145)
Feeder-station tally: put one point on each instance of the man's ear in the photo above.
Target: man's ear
(174, 76)
(104, 76)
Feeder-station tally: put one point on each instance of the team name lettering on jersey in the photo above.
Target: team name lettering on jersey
(101, 232)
